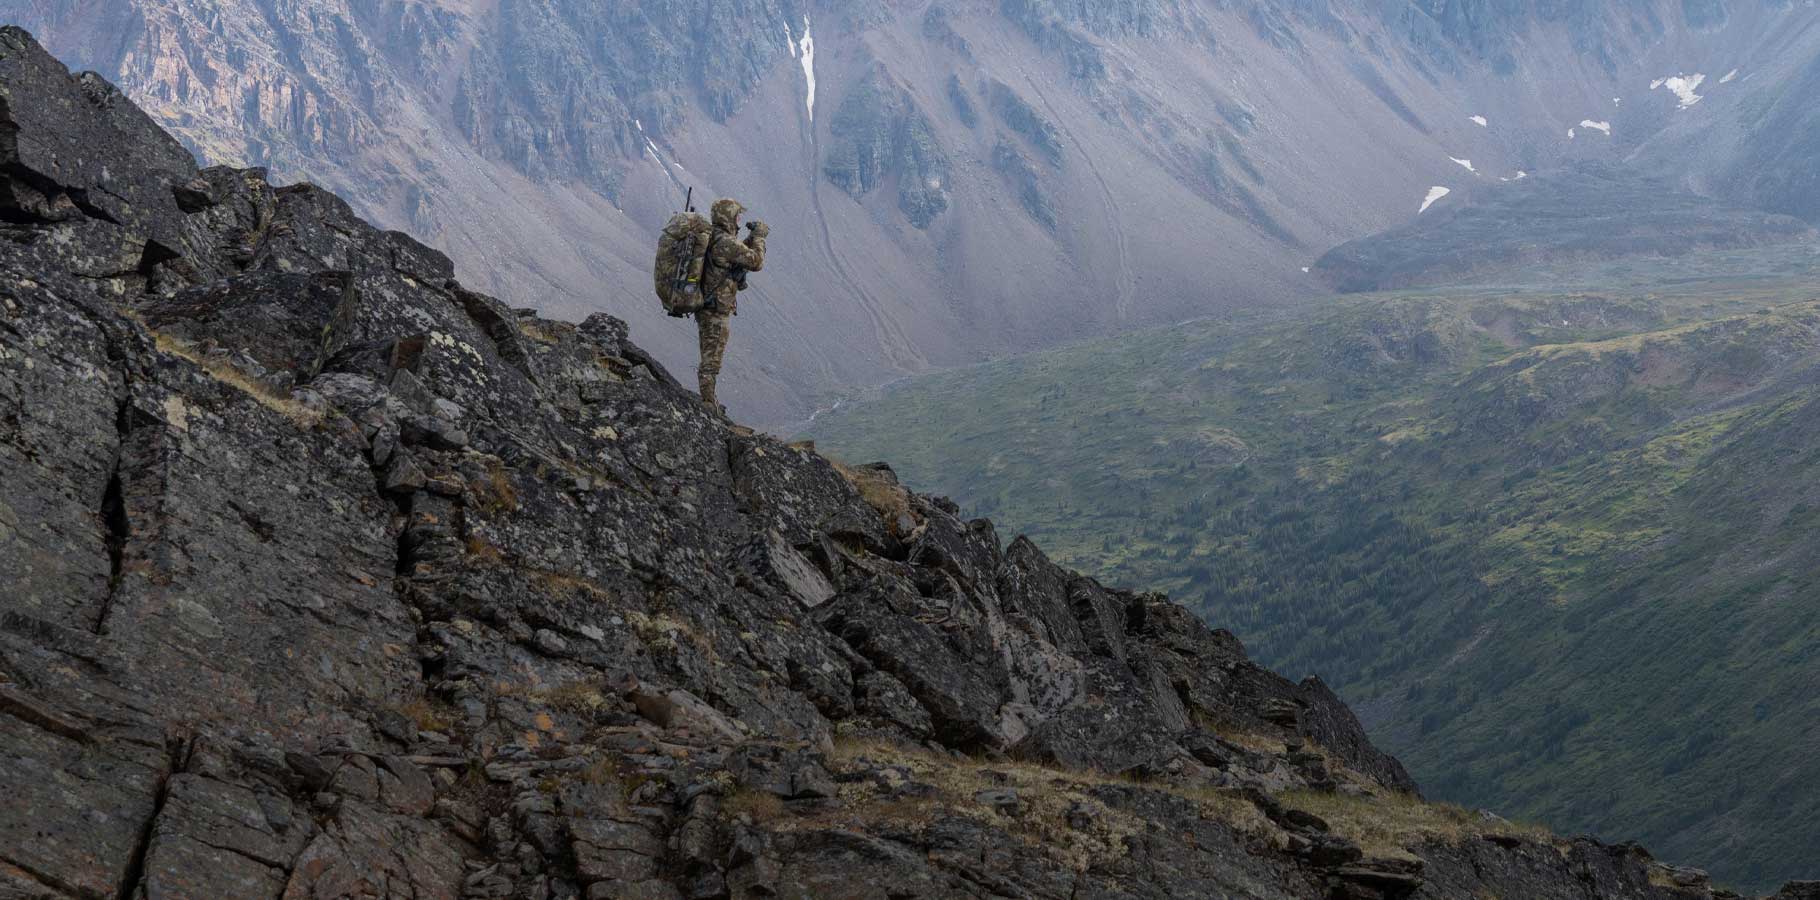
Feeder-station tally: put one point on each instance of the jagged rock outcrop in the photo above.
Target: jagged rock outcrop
(879, 133)
(327, 577)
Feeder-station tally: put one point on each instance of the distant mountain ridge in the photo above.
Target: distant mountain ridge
(968, 180)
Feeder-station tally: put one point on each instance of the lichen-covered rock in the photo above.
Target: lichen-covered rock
(326, 577)
(77, 148)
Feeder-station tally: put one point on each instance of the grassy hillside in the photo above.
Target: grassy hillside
(1584, 213)
(1557, 546)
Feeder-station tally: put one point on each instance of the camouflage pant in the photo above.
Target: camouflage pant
(714, 329)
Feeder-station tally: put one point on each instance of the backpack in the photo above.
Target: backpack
(682, 255)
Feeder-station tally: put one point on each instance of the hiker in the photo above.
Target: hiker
(723, 277)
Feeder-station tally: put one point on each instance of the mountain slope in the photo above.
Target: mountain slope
(949, 181)
(328, 577)
(1570, 215)
(1570, 531)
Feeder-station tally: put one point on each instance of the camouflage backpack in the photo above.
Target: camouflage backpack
(682, 253)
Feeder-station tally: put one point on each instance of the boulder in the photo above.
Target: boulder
(286, 321)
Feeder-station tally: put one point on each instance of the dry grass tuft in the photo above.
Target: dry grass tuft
(514, 689)
(1384, 825)
(484, 550)
(225, 372)
(891, 501)
(565, 583)
(1050, 795)
(604, 770)
(495, 494)
(1240, 735)
(1257, 743)
(662, 630)
(1387, 825)
(1225, 806)
(760, 807)
(427, 716)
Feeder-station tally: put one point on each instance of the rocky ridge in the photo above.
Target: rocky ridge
(328, 577)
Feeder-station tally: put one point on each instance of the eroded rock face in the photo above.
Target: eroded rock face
(326, 577)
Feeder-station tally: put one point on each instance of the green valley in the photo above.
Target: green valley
(1555, 545)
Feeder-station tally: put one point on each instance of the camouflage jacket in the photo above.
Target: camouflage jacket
(728, 256)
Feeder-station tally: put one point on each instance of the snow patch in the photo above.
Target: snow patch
(639, 125)
(657, 157)
(790, 39)
(1617, 101)
(1479, 121)
(1522, 174)
(1304, 270)
(1682, 86)
(808, 50)
(1570, 134)
(1729, 76)
(1596, 126)
(1464, 164)
(1434, 193)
